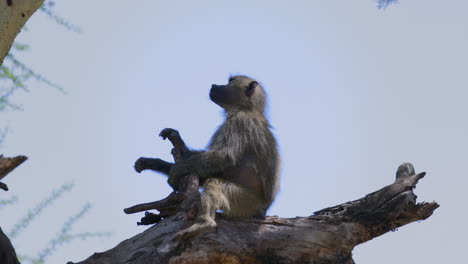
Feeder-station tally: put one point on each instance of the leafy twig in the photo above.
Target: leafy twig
(47, 9)
(28, 72)
(4, 203)
(382, 4)
(33, 213)
(64, 235)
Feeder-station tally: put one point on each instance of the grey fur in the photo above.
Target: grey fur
(242, 157)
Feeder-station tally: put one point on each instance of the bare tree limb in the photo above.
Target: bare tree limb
(326, 237)
(7, 252)
(7, 165)
(174, 199)
(13, 16)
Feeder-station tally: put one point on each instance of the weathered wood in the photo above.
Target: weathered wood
(13, 16)
(328, 236)
(7, 252)
(174, 199)
(7, 165)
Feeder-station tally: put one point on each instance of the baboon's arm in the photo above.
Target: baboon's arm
(205, 164)
(160, 165)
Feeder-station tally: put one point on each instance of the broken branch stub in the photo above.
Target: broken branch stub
(7, 165)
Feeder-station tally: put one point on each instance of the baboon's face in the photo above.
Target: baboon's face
(241, 93)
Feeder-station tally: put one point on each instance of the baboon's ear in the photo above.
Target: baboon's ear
(251, 88)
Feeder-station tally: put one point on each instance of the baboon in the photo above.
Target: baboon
(239, 172)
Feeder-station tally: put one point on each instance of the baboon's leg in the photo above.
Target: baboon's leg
(212, 199)
(235, 200)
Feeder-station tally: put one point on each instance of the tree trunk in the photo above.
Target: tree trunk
(13, 16)
(328, 236)
(7, 252)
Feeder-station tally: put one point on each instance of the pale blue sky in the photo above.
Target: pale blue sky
(369, 89)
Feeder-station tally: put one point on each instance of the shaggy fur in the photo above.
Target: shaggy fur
(239, 171)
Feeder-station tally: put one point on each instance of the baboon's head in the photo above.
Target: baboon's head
(241, 93)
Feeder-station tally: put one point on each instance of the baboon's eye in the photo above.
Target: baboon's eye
(251, 88)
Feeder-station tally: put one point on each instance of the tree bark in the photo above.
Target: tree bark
(13, 16)
(327, 236)
(7, 252)
(7, 165)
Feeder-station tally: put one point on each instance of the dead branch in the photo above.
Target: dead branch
(326, 237)
(7, 251)
(7, 165)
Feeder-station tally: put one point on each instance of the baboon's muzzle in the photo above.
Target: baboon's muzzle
(217, 93)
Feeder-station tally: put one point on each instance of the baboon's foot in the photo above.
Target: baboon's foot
(152, 164)
(169, 133)
(195, 229)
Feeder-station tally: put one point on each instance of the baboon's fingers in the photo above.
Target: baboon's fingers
(139, 165)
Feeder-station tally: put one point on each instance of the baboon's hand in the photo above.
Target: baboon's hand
(169, 133)
(141, 164)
